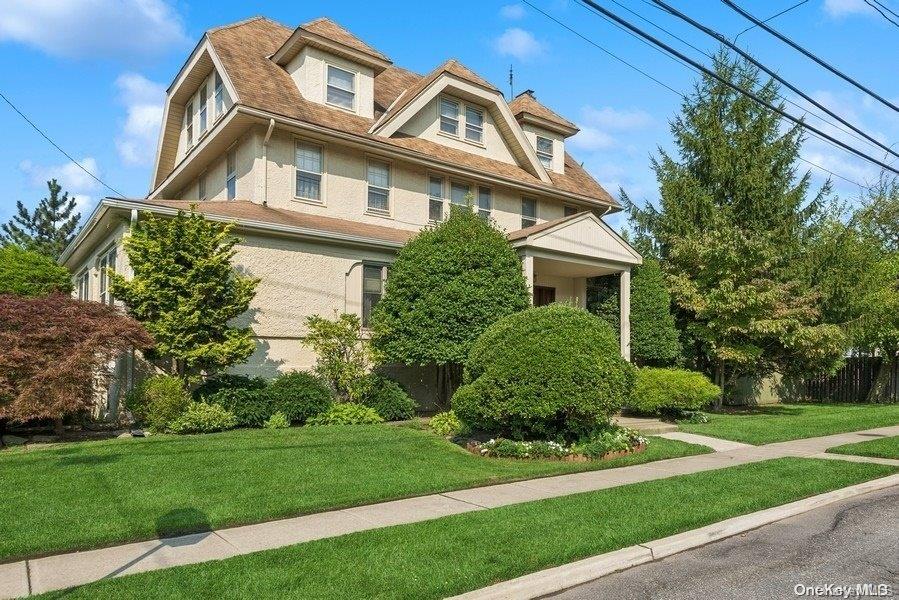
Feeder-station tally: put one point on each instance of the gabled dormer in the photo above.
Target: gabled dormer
(332, 66)
(545, 130)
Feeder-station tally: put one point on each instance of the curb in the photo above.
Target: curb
(556, 579)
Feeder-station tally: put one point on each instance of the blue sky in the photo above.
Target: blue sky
(92, 74)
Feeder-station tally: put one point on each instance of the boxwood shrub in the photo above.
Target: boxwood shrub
(384, 395)
(347, 413)
(245, 397)
(158, 401)
(671, 391)
(299, 395)
(552, 372)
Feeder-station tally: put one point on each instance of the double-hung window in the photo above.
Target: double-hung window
(474, 125)
(84, 285)
(231, 174)
(105, 264)
(378, 186)
(459, 193)
(435, 198)
(373, 277)
(219, 96)
(528, 212)
(201, 187)
(341, 87)
(204, 102)
(309, 171)
(545, 151)
(189, 123)
(449, 116)
(485, 202)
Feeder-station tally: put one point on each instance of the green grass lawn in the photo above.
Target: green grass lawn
(887, 447)
(90, 494)
(447, 556)
(764, 425)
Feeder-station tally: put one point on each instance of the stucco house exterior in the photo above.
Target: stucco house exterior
(328, 157)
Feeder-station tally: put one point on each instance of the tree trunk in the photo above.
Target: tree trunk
(880, 387)
(449, 377)
(719, 380)
(58, 428)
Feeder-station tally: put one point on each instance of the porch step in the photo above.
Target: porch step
(645, 425)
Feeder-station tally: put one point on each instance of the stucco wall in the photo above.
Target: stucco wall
(248, 163)
(309, 71)
(531, 132)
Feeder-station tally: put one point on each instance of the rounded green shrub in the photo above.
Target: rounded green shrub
(384, 395)
(277, 421)
(29, 273)
(552, 372)
(446, 424)
(243, 396)
(671, 391)
(158, 401)
(299, 395)
(347, 413)
(202, 418)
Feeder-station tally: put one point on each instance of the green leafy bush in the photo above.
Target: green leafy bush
(654, 336)
(343, 354)
(610, 439)
(504, 448)
(446, 424)
(670, 391)
(202, 418)
(158, 401)
(30, 273)
(246, 397)
(347, 413)
(552, 372)
(277, 421)
(384, 395)
(299, 395)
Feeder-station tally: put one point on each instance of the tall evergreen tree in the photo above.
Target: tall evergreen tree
(731, 230)
(49, 228)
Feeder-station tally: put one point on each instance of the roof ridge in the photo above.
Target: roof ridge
(244, 22)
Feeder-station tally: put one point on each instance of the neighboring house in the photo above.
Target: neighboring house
(328, 157)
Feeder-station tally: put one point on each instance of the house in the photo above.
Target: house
(328, 157)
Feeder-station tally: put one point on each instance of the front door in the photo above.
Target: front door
(544, 295)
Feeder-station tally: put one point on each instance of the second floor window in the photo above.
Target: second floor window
(105, 264)
(435, 199)
(84, 285)
(201, 187)
(341, 87)
(459, 193)
(189, 123)
(474, 125)
(378, 186)
(231, 174)
(203, 103)
(219, 96)
(485, 202)
(545, 151)
(309, 172)
(449, 116)
(528, 212)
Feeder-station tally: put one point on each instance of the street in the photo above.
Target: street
(851, 542)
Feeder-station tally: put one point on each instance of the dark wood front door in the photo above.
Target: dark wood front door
(544, 295)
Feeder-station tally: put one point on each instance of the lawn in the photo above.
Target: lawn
(764, 425)
(439, 558)
(90, 494)
(887, 447)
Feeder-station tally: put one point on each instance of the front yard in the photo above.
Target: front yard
(767, 424)
(887, 447)
(98, 493)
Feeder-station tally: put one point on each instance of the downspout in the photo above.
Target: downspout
(346, 279)
(268, 135)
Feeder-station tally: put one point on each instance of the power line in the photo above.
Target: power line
(714, 34)
(882, 14)
(808, 54)
(55, 145)
(886, 8)
(771, 18)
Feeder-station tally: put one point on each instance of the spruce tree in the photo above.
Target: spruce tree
(654, 336)
(49, 228)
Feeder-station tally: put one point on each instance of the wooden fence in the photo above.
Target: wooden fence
(851, 383)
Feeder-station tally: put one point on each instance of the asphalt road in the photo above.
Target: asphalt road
(851, 542)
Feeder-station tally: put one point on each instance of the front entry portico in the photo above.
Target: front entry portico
(562, 255)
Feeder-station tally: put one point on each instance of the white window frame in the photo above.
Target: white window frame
(546, 158)
(368, 187)
(441, 118)
(353, 92)
(189, 124)
(526, 220)
(479, 129)
(231, 173)
(107, 260)
(437, 200)
(83, 282)
(384, 269)
(219, 95)
(321, 174)
(201, 186)
(484, 213)
(203, 103)
(456, 182)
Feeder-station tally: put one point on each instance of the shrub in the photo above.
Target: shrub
(503, 448)
(158, 401)
(610, 439)
(343, 356)
(552, 372)
(202, 418)
(446, 424)
(654, 336)
(670, 391)
(30, 273)
(386, 396)
(277, 421)
(244, 396)
(299, 395)
(347, 413)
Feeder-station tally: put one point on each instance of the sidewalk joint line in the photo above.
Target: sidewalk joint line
(465, 501)
(28, 575)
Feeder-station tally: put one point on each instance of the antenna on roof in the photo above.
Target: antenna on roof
(511, 79)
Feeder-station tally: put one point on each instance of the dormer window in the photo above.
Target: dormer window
(203, 103)
(189, 123)
(474, 125)
(219, 96)
(449, 116)
(341, 87)
(545, 151)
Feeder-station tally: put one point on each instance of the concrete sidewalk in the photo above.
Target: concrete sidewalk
(66, 570)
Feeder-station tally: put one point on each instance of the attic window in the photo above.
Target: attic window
(474, 124)
(341, 87)
(189, 123)
(219, 96)
(449, 116)
(545, 151)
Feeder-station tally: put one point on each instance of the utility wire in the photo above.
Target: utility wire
(771, 18)
(808, 54)
(714, 34)
(882, 14)
(55, 145)
(886, 8)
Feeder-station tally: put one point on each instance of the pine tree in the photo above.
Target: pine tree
(48, 229)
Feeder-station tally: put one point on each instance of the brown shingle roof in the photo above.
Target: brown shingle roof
(526, 103)
(327, 28)
(260, 83)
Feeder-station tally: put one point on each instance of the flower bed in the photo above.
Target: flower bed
(609, 444)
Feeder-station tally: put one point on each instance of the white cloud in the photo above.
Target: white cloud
(614, 119)
(512, 12)
(844, 8)
(118, 29)
(143, 100)
(591, 139)
(518, 43)
(73, 179)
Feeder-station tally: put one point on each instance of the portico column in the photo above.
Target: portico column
(624, 303)
(580, 291)
(527, 266)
